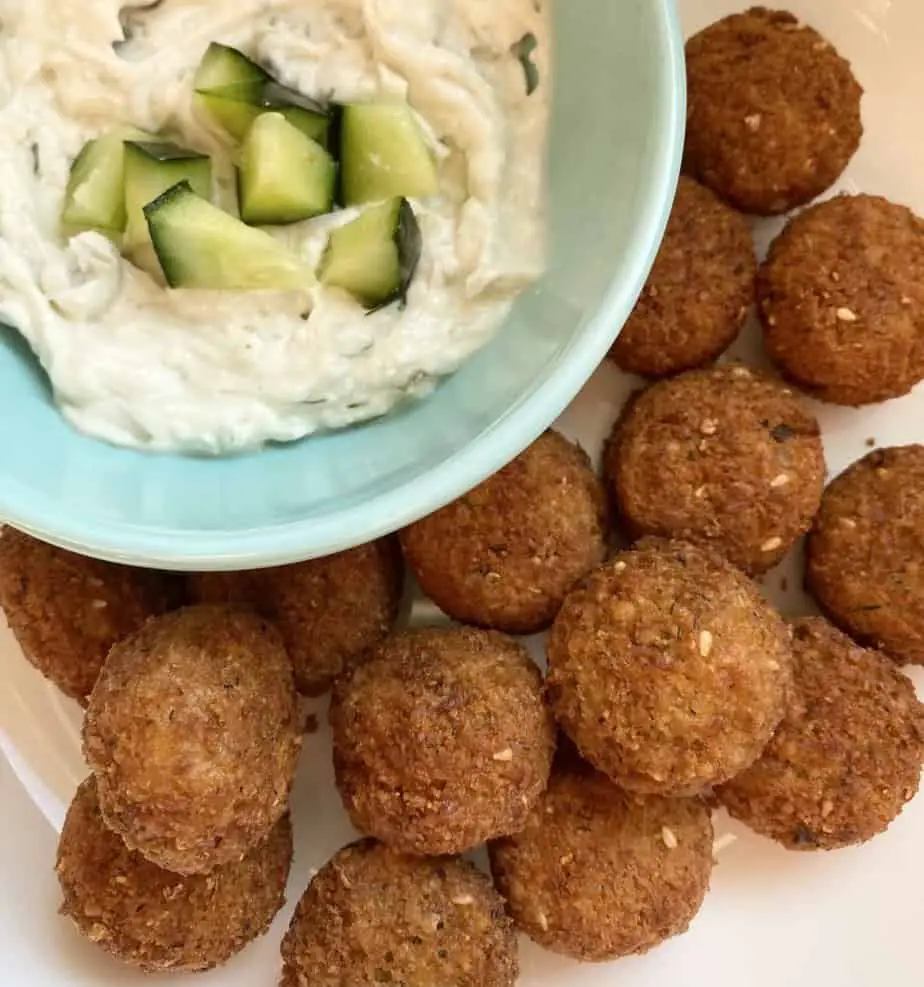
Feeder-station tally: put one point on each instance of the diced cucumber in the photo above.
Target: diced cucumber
(151, 169)
(383, 154)
(199, 246)
(235, 108)
(95, 196)
(285, 176)
(222, 66)
(376, 256)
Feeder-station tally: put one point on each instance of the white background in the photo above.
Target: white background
(854, 918)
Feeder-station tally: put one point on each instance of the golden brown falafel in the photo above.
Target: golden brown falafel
(158, 921)
(192, 733)
(441, 739)
(773, 111)
(848, 754)
(372, 916)
(668, 670)
(841, 298)
(505, 555)
(598, 873)
(66, 611)
(866, 552)
(699, 292)
(328, 610)
(726, 457)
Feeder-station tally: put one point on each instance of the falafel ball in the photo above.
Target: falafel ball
(66, 611)
(505, 555)
(848, 754)
(442, 739)
(373, 916)
(328, 610)
(773, 114)
(668, 670)
(699, 292)
(192, 732)
(744, 459)
(158, 921)
(841, 299)
(866, 552)
(599, 873)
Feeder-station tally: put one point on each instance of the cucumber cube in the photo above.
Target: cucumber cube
(200, 246)
(383, 154)
(285, 176)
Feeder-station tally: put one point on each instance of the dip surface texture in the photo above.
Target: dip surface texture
(138, 365)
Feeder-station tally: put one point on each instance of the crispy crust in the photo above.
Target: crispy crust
(866, 549)
(67, 611)
(441, 740)
(598, 874)
(158, 921)
(192, 732)
(328, 610)
(744, 459)
(773, 113)
(372, 916)
(699, 292)
(841, 298)
(668, 670)
(848, 754)
(505, 555)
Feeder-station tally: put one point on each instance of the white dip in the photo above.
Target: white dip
(138, 365)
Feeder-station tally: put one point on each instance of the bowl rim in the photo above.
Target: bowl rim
(295, 541)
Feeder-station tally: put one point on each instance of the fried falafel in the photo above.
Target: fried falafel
(192, 732)
(328, 610)
(442, 739)
(598, 873)
(865, 558)
(841, 299)
(698, 294)
(158, 921)
(372, 916)
(774, 112)
(668, 670)
(505, 555)
(727, 457)
(66, 610)
(848, 754)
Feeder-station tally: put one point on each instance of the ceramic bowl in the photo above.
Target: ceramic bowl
(615, 150)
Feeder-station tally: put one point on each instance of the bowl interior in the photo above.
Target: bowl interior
(616, 137)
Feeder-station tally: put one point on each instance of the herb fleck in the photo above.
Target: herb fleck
(782, 433)
(523, 50)
(803, 836)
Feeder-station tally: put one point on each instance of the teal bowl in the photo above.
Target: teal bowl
(617, 135)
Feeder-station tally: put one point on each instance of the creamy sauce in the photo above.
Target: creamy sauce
(138, 365)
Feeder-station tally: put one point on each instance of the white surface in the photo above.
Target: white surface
(845, 919)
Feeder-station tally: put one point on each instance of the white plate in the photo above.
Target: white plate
(836, 919)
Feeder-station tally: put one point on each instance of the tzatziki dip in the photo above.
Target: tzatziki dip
(356, 198)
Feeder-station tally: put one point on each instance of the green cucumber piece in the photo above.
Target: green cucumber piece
(223, 66)
(95, 195)
(237, 107)
(200, 246)
(375, 257)
(151, 169)
(285, 176)
(383, 154)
